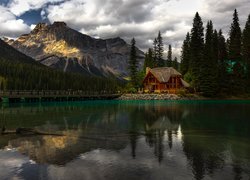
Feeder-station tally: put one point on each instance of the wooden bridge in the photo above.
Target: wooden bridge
(46, 96)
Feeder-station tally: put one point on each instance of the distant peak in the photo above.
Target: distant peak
(39, 27)
(117, 39)
(59, 24)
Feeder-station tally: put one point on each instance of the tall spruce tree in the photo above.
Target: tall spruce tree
(185, 55)
(149, 62)
(146, 61)
(208, 81)
(235, 58)
(169, 58)
(160, 50)
(175, 64)
(133, 64)
(155, 53)
(196, 51)
(215, 42)
(235, 39)
(223, 76)
(150, 58)
(246, 51)
(215, 62)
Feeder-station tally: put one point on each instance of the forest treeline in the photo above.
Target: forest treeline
(20, 72)
(212, 64)
(22, 76)
(154, 55)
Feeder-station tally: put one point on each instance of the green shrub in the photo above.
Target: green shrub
(182, 92)
(132, 90)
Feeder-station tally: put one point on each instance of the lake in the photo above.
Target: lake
(126, 140)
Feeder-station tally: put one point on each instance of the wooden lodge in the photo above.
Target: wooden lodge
(163, 80)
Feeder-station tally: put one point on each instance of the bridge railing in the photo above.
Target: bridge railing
(54, 93)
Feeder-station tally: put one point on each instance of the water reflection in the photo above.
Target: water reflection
(128, 140)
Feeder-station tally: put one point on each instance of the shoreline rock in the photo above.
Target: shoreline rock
(152, 97)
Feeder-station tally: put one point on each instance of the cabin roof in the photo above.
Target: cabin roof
(163, 74)
(184, 83)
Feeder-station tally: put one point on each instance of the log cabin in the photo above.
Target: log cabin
(163, 80)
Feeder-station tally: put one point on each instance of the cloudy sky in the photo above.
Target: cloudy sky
(141, 19)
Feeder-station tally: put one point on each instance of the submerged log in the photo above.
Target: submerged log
(28, 131)
(25, 131)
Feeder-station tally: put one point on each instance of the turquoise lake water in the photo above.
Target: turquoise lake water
(127, 140)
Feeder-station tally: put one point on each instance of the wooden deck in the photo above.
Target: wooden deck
(44, 96)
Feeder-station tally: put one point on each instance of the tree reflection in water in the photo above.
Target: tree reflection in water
(212, 142)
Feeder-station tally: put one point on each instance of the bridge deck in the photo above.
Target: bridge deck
(56, 95)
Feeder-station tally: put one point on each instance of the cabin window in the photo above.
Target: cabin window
(151, 78)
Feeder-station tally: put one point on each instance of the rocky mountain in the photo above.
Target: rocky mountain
(61, 47)
(9, 53)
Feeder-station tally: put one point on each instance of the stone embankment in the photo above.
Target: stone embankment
(151, 97)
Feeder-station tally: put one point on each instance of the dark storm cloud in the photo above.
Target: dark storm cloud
(141, 19)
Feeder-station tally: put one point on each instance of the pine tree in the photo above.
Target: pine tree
(215, 42)
(185, 56)
(175, 64)
(235, 39)
(160, 50)
(208, 82)
(223, 77)
(133, 64)
(215, 61)
(155, 53)
(196, 51)
(146, 62)
(150, 58)
(149, 62)
(246, 51)
(169, 59)
(235, 57)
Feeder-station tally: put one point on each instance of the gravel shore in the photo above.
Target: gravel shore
(150, 97)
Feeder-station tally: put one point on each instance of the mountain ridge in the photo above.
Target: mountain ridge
(9, 53)
(58, 46)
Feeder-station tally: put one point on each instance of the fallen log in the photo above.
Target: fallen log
(28, 131)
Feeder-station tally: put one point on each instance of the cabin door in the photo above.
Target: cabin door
(151, 88)
(154, 88)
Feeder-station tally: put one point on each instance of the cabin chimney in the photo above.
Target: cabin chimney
(147, 70)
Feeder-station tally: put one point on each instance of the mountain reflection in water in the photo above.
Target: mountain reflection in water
(127, 140)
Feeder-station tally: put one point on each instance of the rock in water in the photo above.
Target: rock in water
(61, 47)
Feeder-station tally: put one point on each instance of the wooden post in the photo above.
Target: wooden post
(175, 82)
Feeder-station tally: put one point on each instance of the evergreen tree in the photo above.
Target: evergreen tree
(235, 57)
(146, 62)
(196, 51)
(235, 39)
(133, 64)
(169, 59)
(222, 64)
(246, 51)
(215, 45)
(208, 81)
(150, 58)
(160, 50)
(155, 53)
(215, 61)
(149, 61)
(175, 64)
(185, 56)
